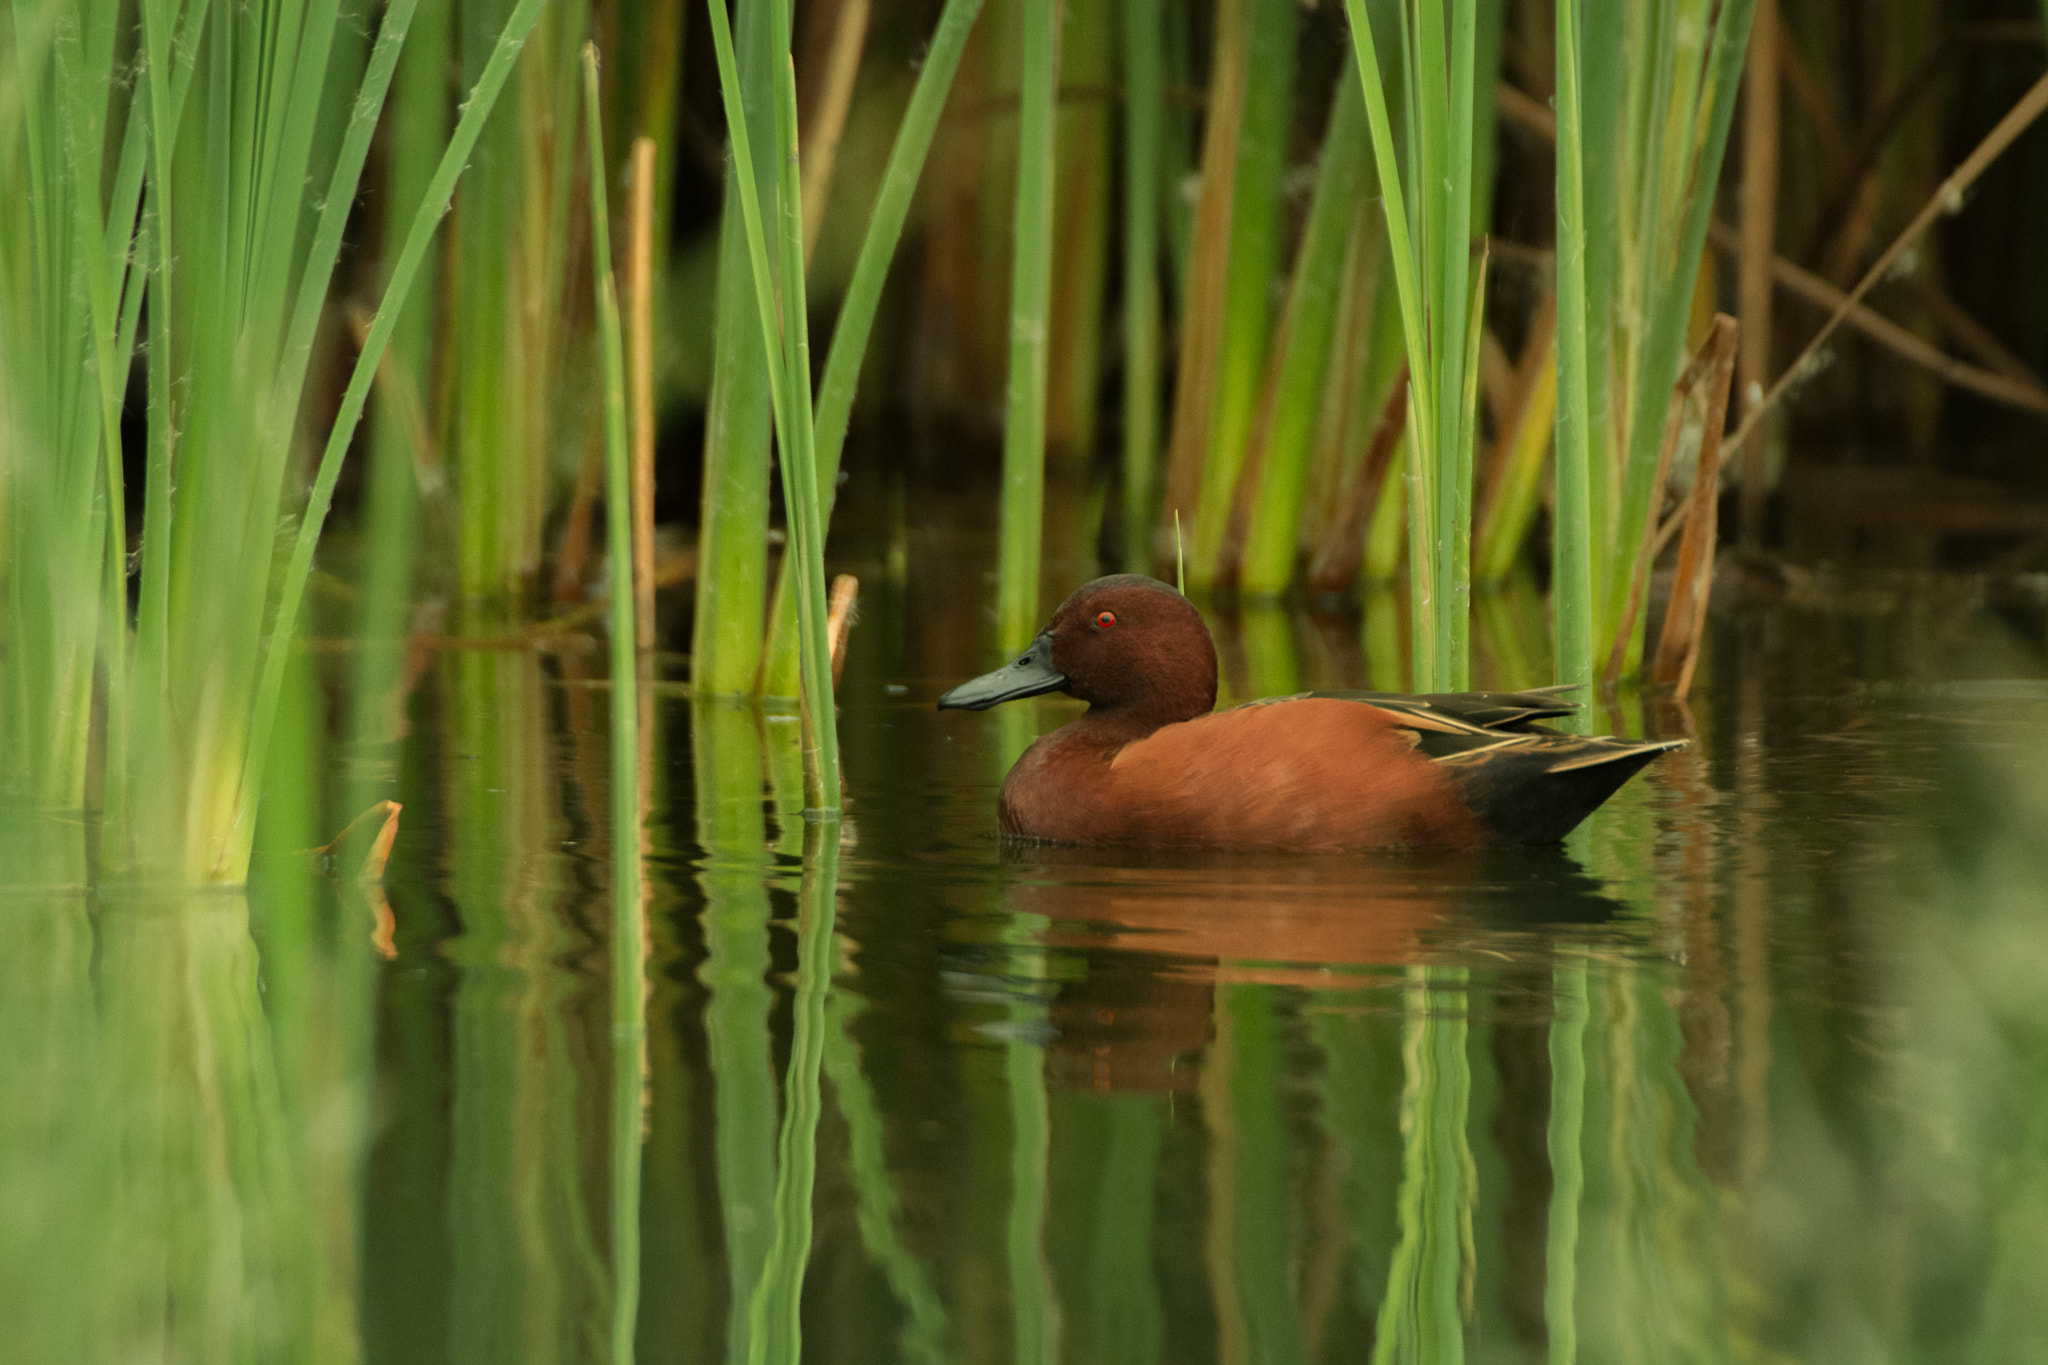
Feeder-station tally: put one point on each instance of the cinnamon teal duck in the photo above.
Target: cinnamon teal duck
(1153, 764)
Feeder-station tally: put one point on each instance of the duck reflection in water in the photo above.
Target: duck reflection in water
(1154, 933)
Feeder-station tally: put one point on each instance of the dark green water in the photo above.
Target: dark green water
(1756, 1068)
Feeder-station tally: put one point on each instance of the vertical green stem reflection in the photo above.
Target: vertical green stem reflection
(1567, 1160)
(629, 1001)
(725, 746)
(775, 1312)
(876, 1206)
(1030, 298)
(1421, 1318)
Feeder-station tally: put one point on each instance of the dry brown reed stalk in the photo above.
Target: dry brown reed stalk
(1973, 335)
(1760, 138)
(640, 383)
(1335, 565)
(1947, 198)
(574, 552)
(1685, 618)
(839, 619)
(2014, 385)
(825, 115)
(1716, 350)
(1208, 274)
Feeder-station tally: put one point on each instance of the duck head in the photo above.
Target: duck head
(1130, 646)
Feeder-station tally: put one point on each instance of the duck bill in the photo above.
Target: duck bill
(1029, 676)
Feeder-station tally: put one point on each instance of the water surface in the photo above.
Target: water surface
(1755, 1067)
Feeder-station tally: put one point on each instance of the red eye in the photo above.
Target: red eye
(1104, 620)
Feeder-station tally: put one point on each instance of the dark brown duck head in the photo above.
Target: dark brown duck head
(1131, 647)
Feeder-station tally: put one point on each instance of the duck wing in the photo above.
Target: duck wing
(1514, 712)
(1526, 782)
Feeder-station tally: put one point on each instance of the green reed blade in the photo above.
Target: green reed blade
(1308, 336)
(732, 548)
(1253, 262)
(857, 311)
(1144, 113)
(1574, 531)
(1670, 265)
(1023, 511)
(629, 940)
(483, 95)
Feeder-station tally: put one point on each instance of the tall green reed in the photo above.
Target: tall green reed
(732, 546)
(1645, 99)
(629, 939)
(787, 349)
(1023, 508)
(1427, 197)
(1252, 261)
(63, 370)
(857, 312)
(1303, 356)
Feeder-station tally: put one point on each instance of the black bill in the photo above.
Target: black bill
(1032, 674)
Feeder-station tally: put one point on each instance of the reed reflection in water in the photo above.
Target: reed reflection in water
(1754, 1067)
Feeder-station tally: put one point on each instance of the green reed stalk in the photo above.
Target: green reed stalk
(780, 669)
(1023, 511)
(1567, 1159)
(732, 546)
(1081, 216)
(629, 996)
(1144, 111)
(1646, 98)
(62, 372)
(789, 373)
(1308, 338)
(475, 110)
(1254, 261)
(1429, 229)
(1573, 530)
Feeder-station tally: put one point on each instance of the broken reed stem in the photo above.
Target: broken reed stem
(1685, 618)
(1696, 369)
(825, 124)
(839, 618)
(1947, 198)
(640, 370)
(574, 554)
(1760, 136)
